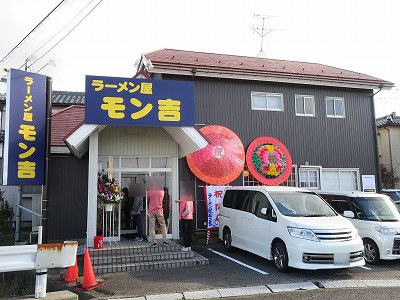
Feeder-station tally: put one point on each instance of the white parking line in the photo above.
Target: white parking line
(366, 268)
(238, 262)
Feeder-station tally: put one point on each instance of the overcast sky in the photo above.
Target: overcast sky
(360, 36)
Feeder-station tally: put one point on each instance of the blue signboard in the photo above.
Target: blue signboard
(25, 130)
(138, 102)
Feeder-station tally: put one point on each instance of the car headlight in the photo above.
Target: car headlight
(302, 233)
(387, 231)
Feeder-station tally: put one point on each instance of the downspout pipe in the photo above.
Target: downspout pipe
(379, 179)
(390, 155)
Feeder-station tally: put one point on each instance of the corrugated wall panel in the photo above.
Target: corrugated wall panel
(68, 181)
(146, 141)
(328, 142)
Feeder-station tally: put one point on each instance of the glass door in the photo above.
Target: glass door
(158, 186)
(135, 183)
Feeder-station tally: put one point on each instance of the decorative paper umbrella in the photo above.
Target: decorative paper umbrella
(220, 162)
(268, 160)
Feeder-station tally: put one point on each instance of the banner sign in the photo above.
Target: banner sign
(25, 129)
(213, 203)
(139, 102)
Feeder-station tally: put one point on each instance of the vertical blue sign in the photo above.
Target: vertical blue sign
(25, 129)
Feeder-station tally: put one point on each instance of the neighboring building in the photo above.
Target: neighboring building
(388, 128)
(323, 115)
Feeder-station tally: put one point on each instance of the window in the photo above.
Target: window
(236, 199)
(266, 101)
(309, 179)
(340, 205)
(228, 199)
(340, 179)
(379, 144)
(262, 202)
(249, 180)
(305, 106)
(334, 107)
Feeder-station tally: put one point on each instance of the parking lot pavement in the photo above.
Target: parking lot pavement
(227, 277)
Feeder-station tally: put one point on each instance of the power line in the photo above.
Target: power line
(63, 27)
(64, 35)
(26, 44)
(36, 27)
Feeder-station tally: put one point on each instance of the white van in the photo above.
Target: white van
(376, 218)
(291, 226)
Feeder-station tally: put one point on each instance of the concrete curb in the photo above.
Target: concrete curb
(267, 289)
(59, 295)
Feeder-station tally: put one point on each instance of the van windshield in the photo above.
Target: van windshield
(301, 204)
(379, 208)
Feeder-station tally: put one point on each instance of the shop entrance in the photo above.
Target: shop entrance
(138, 175)
(138, 185)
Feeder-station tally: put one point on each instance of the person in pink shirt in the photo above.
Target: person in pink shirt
(186, 210)
(155, 209)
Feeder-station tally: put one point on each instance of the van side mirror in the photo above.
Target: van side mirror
(264, 211)
(348, 214)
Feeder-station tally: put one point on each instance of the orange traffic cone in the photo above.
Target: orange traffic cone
(89, 280)
(72, 274)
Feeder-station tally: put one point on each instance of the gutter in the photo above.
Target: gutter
(293, 79)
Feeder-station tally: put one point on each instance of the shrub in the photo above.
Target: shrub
(6, 215)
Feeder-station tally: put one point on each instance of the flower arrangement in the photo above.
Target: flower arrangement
(108, 190)
(269, 160)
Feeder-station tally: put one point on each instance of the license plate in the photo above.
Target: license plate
(341, 259)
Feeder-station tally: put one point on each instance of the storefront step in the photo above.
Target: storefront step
(129, 247)
(136, 256)
(141, 257)
(197, 260)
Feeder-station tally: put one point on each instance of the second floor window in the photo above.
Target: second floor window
(305, 106)
(266, 101)
(334, 107)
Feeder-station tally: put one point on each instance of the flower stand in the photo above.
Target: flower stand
(111, 222)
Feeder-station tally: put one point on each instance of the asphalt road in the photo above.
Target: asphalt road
(224, 273)
(329, 294)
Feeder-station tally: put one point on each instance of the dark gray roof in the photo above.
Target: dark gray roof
(389, 120)
(62, 98)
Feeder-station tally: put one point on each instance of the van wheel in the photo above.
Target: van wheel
(371, 252)
(227, 239)
(280, 257)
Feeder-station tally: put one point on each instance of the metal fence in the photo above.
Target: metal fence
(26, 237)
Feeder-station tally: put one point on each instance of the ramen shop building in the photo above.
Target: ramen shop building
(322, 116)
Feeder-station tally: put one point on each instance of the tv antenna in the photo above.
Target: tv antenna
(262, 32)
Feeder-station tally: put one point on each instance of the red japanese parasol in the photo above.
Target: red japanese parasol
(268, 160)
(222, 161)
